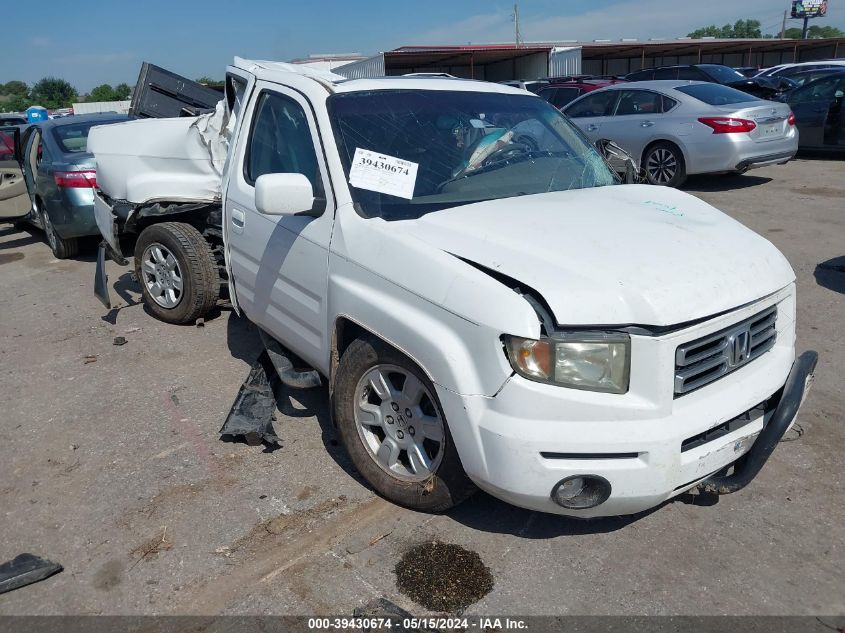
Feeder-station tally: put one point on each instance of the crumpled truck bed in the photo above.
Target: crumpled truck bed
(149, 160)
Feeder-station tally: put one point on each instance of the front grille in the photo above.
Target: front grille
(704, 360)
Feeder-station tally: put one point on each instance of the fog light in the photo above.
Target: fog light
(580, 492)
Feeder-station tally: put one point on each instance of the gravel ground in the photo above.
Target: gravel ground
(110, 463)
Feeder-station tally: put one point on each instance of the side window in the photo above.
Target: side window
(548, 94)
(818, 90)
(642, 75)
(666, 73)
(235, 88)
(638, 102)
(597, 104)
(668, 103)
(564, 96)
(280, 142)
(691, 74)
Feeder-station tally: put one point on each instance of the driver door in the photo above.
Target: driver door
(15, 203)
(811, 105)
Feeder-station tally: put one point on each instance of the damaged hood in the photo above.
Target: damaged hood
(626, 254)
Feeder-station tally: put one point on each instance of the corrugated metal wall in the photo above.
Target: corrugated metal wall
(370, 67)
(564, 61)
(95, 107)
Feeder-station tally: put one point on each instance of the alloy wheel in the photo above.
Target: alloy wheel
(399, 423)
(161, 275)
(662, 165)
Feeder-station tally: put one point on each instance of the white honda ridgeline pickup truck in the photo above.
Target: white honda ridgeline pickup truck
(487, 302)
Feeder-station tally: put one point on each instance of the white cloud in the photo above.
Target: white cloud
(642, 19)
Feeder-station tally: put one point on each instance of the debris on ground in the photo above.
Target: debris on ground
(443, 576)
(119, 340)
(25, 569)
(251, 416)
(200, 322)
(132, 330)
(90, 358)
(150, 548)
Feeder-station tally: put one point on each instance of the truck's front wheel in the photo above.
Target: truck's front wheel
(177, 272)
(392, 425)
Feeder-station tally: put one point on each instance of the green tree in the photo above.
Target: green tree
(742, 29)
(52, 92)
(208, 81)
(17, 103)
(103, 92)
(14, 87)
(122, 92)
(814, 32)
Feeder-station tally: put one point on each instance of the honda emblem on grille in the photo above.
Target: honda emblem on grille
(739, 348)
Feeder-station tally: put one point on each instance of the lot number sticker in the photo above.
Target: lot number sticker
(384, 174)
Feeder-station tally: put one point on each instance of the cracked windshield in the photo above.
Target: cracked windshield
(462, 147)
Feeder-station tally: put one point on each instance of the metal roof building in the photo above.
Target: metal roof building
(533, 60)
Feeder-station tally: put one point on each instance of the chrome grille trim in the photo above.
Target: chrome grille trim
(704, 360)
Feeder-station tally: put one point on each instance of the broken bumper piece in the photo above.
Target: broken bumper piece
(25, 569)
(251, 416)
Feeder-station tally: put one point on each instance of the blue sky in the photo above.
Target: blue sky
(105, 42)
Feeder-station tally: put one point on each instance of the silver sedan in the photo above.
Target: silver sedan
(676, 128)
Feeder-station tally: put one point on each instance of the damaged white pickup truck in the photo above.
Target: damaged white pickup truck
(487, 303)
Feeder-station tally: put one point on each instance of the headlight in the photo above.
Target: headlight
(596, 361)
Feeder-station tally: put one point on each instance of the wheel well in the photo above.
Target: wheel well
(658, 142)
(345, 332)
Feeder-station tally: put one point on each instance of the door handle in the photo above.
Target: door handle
(238, 219)
(646, 123)
(592, 128)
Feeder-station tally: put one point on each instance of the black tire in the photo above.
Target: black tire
(663, 164)
(447, 486)
(62, 248)
(196, 265)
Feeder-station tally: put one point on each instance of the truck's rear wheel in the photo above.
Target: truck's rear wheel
(392, 425)
(177, 272)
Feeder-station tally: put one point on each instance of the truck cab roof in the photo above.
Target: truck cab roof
(290, 74)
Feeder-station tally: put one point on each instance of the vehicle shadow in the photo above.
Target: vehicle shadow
(725, 182)
(244, 343)
(831, 274)
(28, 235)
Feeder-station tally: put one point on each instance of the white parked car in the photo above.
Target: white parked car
(674, 128)
(487, 303)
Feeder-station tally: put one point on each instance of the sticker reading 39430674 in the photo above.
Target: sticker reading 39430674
(384, 174)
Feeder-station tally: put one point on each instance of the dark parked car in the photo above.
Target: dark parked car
(765, 88)
(51, 178)
(747, 71)
(807, 76)
(12, 119)
(818, 112)
(561, 94)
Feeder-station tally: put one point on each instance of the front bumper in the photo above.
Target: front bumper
(649, 446)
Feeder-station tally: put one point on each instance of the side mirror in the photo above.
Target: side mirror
(611, 150)
(283, 194)
(839, 94)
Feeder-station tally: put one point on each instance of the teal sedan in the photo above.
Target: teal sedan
(50, 179)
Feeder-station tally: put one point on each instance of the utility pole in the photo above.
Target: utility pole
(804, 32)
(783, 24)
(516, 24)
